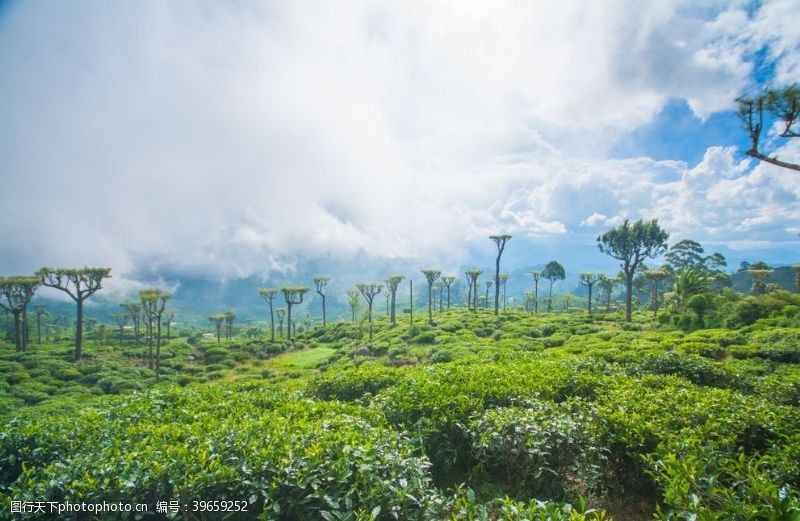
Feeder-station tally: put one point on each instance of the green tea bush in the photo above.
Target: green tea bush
(540, 448)
(286, 457)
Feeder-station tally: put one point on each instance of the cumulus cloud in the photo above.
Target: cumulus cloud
(236, 138)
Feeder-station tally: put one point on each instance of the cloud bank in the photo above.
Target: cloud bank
(236, 138)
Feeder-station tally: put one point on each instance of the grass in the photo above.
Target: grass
(303, 359)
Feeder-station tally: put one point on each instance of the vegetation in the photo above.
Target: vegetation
(690, 413)
(775, 105)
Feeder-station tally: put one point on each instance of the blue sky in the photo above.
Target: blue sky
(246, 139)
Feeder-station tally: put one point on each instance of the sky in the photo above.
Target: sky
(237, 139)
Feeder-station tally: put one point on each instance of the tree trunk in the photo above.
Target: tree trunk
(25, 330)
(289, 320)
(430, 304)
(590, 299)
(469, 297)
(536, 297)
(79, 331)
(18, 330)
(628, 295)
(323, 311)
(394, 291)
(158, 349)
(550, 298)
(39, 328)
(448, 297)
(271, 322)
(150, 342)
(370, 321)
(497, 283)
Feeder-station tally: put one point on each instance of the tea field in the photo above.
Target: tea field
(517, 416)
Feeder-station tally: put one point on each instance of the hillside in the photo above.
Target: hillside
(520, 416)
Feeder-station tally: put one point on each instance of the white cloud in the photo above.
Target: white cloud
(236, 138)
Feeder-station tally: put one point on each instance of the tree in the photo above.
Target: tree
(448, 281)
(392, 282)
(687, 284)
(134, 312)
(153, 302)
(774, 104)
(169, 315)
(552, 272)
(606, 284)
(369, 291)
(268, 294)
(121, 320)
(655, 277)
(503, 278)
(230, 317)
(796, 277)
(698, 304)
(632, 244)
(217, 319)
(79, 284)
(281, 313)
(472, 279)
(690, 255)
(18, 292)
(489, 284)
(40, 311)
(536, 276)
(354, 299)
(293, 295)
(760, 272)
(589, 280)
(431, 276)
(500, 241)
(319, 283)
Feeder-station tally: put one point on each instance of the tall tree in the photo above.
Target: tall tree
(217, 319)
(499, 241)
(779, 104)
(40, 311)
(489, 284)
(606, 284)
(293, 295)
(392, 282)
(230, 317)
(281, 313)
(268, 294)
(168, 317)
(17, 292)
(472, 278)
(796, 277)
(589, 280)
(79, 284)
(552, 272)
(632, 244)
(121, 320)
(319, 284)
(354, 300)
(503, 278)
(655, 277)
(154, 301)
(369, 291)
(431, 276)
(537, 275)
(448, 281)
(760, 272)
(134, 312)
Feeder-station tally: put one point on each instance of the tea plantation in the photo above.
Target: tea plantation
(518, 416)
